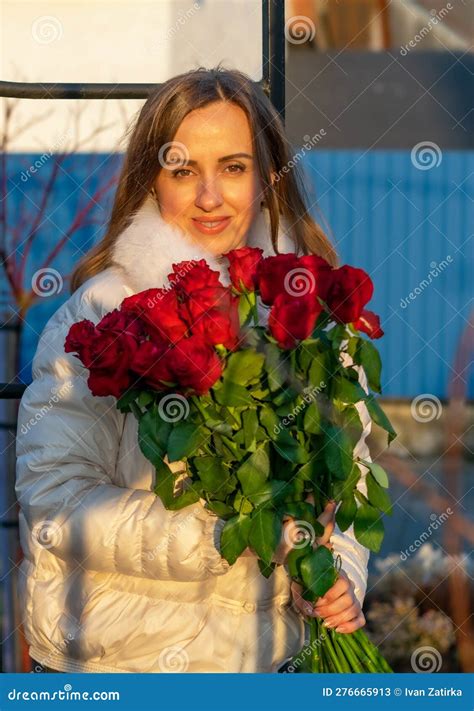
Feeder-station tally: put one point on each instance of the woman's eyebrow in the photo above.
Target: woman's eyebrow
(220, 160)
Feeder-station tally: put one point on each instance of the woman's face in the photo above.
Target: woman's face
(210, 175)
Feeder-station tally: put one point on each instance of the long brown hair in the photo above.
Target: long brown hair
(158, 122)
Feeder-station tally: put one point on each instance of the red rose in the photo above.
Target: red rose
(293, 318)
(320, 270)
(106, 350)
(195, 365)
(369, 323)
(271, 273)
(160, 310)
(243, 269)
(151, 362)
(192, 275)
(350, 289)
(213, 313)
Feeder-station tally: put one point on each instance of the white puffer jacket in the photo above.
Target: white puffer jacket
(111, 581)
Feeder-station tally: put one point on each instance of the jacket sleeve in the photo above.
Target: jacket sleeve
(67, 447)
(354, 555)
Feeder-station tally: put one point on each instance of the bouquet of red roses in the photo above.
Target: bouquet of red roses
(263, 415)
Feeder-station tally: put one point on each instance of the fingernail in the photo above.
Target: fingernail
(328, 624)
(308, 608)
(341, 628)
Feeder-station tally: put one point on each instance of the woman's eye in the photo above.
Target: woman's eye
(178, 173)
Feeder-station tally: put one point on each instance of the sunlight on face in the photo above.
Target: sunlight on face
(210, 180)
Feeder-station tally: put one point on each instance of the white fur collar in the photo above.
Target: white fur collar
(149, 246)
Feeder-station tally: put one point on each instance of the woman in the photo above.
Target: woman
(112, 581)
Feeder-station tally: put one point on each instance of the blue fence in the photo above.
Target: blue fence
(410, 228)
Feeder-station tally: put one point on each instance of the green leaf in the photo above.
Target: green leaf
(293, 560)
(368, 527)
(253, 473)
(220, 509)
(216, 478)
(319, 372)
(234, 537)
(380, 418)
(241, 504)
(317, 573)
(243, 366)
(368, 357)
(266, 570)
(274, 367)
(312, 419)
(270, 421)
(245, 310)
(270, 491)
(337, 451)
(153, 434)
(123, 403)
(378, 472)
(232, 394)
(347, 390)
(265, 534)
(346, 513)
(289, 448)
(378, 496)
(250, 421)
(185, 439)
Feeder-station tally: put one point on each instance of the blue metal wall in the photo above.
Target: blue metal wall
(385, 215)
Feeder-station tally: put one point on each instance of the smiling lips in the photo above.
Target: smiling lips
(211, 225)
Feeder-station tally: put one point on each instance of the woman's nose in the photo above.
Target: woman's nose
(209, 195)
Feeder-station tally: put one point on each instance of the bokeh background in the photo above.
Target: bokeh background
(379, 112)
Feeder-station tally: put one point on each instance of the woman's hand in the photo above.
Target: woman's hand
(339, 607)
